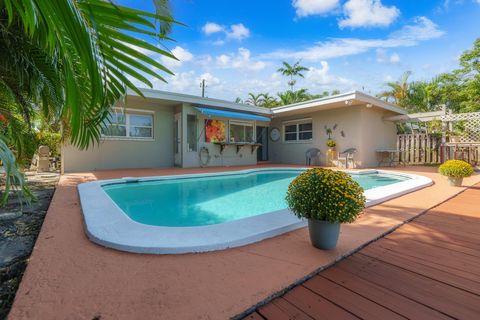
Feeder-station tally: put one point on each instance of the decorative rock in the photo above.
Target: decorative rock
(13, 249)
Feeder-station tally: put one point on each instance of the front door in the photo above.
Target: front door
(177, 140)
(262, 138)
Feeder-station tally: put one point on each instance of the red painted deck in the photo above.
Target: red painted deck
(426, 269)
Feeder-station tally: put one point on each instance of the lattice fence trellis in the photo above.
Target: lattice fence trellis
(471, 125)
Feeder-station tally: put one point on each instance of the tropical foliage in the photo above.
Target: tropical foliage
(292, 71)
(69, 61)
(325, 195)
(458, 90)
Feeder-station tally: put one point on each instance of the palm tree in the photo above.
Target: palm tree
(269, 101)
(292, 71)
(73, 59)
(289, 97)
(255, 99)
(399, 91)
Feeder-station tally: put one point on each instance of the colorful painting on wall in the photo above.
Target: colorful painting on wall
(214, 131)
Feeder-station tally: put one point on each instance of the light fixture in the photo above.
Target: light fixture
(348, 102)
(369, 105)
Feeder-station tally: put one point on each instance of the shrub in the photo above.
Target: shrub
(326, 195)
(331, 143)
(456, 169)
(50, 139)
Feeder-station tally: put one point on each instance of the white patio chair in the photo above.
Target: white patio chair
(346, 157)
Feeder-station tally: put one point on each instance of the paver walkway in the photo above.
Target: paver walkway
(426, 269)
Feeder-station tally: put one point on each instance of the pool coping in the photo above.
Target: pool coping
(106, 224)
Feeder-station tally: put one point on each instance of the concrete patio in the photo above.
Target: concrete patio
(69, 277)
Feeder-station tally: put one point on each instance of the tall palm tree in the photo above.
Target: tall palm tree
(292, 71)
(398, 91)
(73, 59)
(255, 99)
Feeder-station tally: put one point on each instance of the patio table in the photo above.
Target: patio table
(389, 156)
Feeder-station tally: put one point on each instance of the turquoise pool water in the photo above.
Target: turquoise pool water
(197, 201)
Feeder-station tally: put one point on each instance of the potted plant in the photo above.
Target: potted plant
(456, 170)
(331, 144)
(326, 198)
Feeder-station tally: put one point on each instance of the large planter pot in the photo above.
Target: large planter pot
(331, 157)
(323, 235)
(455, 181)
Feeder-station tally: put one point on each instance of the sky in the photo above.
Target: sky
(237, 46)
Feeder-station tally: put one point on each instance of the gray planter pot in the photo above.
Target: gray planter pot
(323, 235)
(455, 181)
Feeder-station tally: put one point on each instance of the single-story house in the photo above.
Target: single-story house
(164, 129)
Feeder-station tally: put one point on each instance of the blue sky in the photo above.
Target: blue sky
(237, 46)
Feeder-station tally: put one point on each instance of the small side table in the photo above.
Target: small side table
(389, 157)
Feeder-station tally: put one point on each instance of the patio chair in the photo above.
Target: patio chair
(347, 156)
(312, 153)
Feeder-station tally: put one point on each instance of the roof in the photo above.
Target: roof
(355, 98)
(200, 101)
(336, 101)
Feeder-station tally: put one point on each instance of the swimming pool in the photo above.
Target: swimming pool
(204, 212)
(198, 201)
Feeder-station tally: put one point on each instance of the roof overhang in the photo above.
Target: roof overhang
(349, 99)
(200, 101)
(417, 117)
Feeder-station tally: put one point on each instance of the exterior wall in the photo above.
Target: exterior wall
(364, 129)
(114, 154)
(228, 157)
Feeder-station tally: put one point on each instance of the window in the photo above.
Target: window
(298, 130)
(129, 125)
(241, 132)
(191, 132)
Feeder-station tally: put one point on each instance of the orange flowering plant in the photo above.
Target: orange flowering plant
(326, 195)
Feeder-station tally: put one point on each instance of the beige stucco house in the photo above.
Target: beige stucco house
(166, 129)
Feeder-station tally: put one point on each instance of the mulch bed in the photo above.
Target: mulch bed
(19, 228)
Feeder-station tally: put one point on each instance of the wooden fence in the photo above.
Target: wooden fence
(419, 148)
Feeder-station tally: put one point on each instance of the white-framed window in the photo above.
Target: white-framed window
(297, 130)
(241, 132)
(126, 124)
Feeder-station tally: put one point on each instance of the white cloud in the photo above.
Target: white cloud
(367, 13)
(238, 32)
(305, 8)
(384, 57)
(234, 32)
(182, 54)
(321, 77)
(210, 79)
(240, 60)
(410, 35)
(395, 58)
(212, 27)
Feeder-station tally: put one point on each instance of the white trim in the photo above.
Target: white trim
(107, 225)
(297, 120)
(133, 110)
(325, 101)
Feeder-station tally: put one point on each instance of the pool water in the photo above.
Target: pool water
(198, 201)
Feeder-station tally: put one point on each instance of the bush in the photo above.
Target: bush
(331, 143)
(50, 139)
(326, 195)
(456, 169)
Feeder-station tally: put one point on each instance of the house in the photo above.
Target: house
(167, 129)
